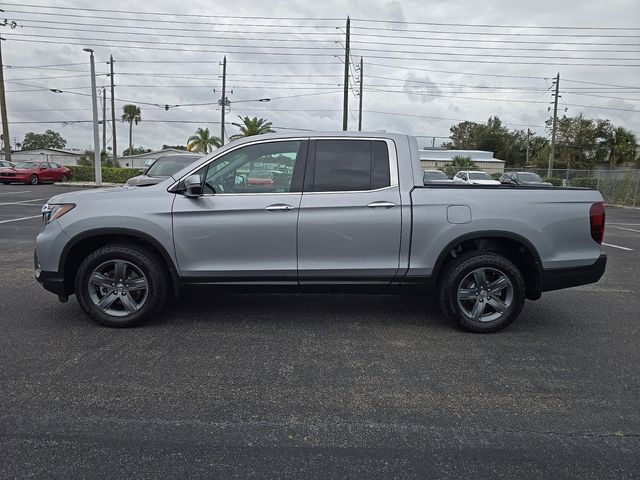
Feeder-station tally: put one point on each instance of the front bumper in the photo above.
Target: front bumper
(558, 278)
(50, 281)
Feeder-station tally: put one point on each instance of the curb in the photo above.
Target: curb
(611, 205)
(87, 184)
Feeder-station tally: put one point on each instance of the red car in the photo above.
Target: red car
(35, 173)
(260, 177)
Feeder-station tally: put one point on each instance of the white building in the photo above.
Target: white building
(60, 156)
(432, 159)
(145, 159)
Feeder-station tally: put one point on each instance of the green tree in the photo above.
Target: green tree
(252, 126)
(48, 139)
(493, 136)
(131, 114)
(203, 142)
(459, 163)
(581, 142)
(135, 151)
(622, 146)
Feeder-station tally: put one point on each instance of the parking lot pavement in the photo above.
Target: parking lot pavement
(297, 386)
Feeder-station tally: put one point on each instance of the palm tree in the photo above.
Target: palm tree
(252, 126)
(621, 144)
(202, 142)
(131, 113)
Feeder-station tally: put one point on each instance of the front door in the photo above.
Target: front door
(350, 217)
(243, 227)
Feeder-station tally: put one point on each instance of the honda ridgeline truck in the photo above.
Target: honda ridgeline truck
(335, 212)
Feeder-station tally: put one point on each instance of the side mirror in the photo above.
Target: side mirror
(42, 167)
(193, 186)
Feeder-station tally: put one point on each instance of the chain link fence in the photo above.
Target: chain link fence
(618, 187)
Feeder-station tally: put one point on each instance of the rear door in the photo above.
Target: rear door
(349, 223)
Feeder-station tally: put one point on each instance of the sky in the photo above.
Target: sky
(426, 65)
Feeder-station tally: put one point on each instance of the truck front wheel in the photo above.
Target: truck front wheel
(121, 285)
(482, 291)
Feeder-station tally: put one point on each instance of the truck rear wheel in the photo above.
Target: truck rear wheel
(482, 291)
(121, 285)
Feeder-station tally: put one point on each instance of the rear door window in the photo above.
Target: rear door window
(350, 165)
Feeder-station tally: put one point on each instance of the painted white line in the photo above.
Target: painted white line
(24, 204)
(618, 246)
(18, 219)
(628, 229)
(626, 224)
(24, 201)
(14, 193)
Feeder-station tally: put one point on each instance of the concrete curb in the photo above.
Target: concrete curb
(87, 184)
(611, 205)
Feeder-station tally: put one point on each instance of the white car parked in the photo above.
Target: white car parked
(474, 177)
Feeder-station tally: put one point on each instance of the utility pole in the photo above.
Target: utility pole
(3, 108)
(104, 120)
(96, 132)
(345, 100)
(113, 113)
(360, 99)
(554, 127)
(223, 100)
(528, 137)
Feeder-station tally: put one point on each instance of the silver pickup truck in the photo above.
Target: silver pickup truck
(338, 212)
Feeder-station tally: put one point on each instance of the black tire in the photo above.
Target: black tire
(64, 178)
(459, 294)
(137, 259)
(34, 180)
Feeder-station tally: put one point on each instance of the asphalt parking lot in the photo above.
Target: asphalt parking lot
(275, 386)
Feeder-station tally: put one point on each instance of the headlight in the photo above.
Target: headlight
(53, 211)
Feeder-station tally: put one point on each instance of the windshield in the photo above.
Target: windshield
(26, 165)
(529, 177)
(479, 176)
(435, 176)
(167, 166)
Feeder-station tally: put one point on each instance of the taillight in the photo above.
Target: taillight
(596, 219)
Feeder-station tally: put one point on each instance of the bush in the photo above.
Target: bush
(109, 175)
(555, 181)
(584, 182)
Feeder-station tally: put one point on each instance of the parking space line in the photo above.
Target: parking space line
(18, 219)
(24, 201)
(618, 246)
(626, 224)
(14, 193)
(627, 229)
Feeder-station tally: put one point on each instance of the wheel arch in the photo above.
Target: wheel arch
(514, 247)
(84, 243)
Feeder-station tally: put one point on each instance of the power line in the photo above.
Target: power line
(303, 48)
(601, 84)
(484, 25)
(475, 25)
(165, 13)
(457, 73)
(173, 21)
(162, 31)
(498, 34)
(330, 55)
(26, 23)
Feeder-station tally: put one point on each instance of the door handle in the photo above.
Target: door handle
(279, 207)
(381, 205)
